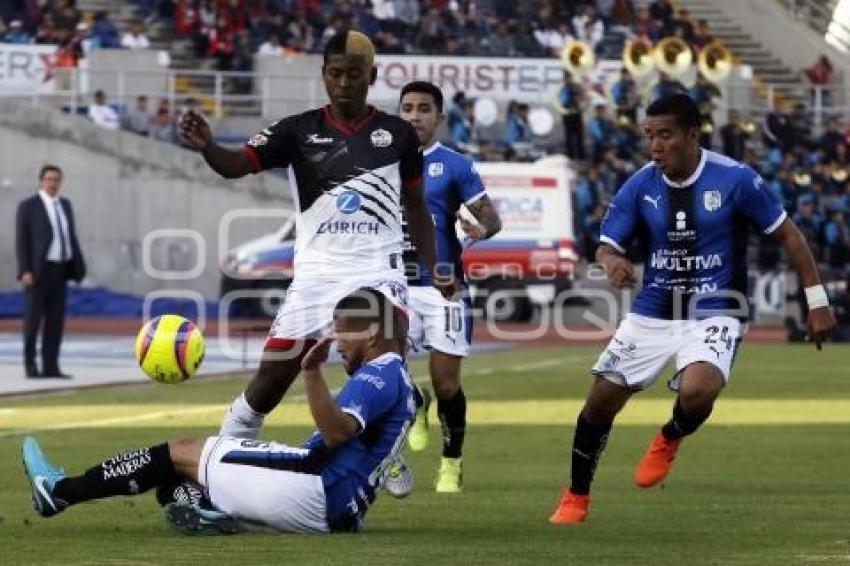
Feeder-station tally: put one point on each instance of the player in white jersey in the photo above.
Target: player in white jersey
(692, 209)
(352, 169)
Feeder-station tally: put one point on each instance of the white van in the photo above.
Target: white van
(534, 255)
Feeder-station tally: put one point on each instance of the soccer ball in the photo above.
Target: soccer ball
(169, 348)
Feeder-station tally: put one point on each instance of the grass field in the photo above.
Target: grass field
(765, 483)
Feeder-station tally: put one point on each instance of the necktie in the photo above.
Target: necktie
(63, 245)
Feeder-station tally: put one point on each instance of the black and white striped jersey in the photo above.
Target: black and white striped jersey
(346, 182)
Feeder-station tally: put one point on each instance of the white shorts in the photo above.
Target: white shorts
(261, 497)
(437, 323)
(307, 311)
(642, 346)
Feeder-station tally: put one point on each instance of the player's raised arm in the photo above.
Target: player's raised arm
(335, 426)
(820, 320)
(230, 164)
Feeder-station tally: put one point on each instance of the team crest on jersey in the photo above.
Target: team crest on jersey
(711, 200)
(257, 140)
(381, 138)
(435, 169)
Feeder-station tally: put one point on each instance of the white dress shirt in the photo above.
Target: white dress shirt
(268, 49)
(133, 41)
(57, 221)
(104, 116)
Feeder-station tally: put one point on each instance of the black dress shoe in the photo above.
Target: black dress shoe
(56, 375)
(32, 372)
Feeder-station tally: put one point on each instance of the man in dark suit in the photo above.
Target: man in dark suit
(48, 256)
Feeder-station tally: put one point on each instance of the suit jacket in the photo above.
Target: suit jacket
(33, 234)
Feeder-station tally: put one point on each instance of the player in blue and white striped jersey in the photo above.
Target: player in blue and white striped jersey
(325, 485)
(691, 209)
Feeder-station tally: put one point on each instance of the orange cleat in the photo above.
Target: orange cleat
(572, 508)
(656, 463)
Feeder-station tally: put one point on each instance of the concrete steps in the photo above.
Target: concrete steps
(744, 43)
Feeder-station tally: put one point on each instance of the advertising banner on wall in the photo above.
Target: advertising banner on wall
(26, 69)
(529, 80)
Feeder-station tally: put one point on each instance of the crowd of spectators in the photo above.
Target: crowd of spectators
(218, 29)
(504, 28)
(142, 117)
(808, 173)
(435, 27)
(60, 22)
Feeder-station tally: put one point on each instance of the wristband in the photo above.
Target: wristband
(816, 297)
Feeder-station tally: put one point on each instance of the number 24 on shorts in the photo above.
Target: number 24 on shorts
(711, 336)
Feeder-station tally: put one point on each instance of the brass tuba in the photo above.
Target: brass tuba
(673, 56)
(715, 62)
(637, 57)
(578, 58)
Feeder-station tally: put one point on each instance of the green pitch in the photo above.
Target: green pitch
(766, 482)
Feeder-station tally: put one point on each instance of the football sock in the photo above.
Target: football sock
(129, 473)
(417, 396)
(589, 441)
(241, 421)
(682, 424)
(185, 491)
(452, 413)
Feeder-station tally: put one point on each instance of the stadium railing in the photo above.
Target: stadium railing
(222, 94)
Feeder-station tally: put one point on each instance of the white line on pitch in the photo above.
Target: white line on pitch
(482, 371)
(145, 416)
(537, 365)
(114, 420)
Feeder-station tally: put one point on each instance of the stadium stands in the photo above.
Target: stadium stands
(803, 158)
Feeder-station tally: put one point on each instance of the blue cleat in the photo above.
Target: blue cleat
(196, 520)
(43, 478)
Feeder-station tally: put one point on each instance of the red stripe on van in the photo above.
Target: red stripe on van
(544, 182)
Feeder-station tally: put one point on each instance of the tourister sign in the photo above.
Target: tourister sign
(519, 79)
(26, 69)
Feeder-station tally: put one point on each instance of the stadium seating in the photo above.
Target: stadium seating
(805, 171)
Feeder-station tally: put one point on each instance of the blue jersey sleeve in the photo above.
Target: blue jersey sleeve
(467, 181)
(757, 203)
(618, 225)
(368, 394)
